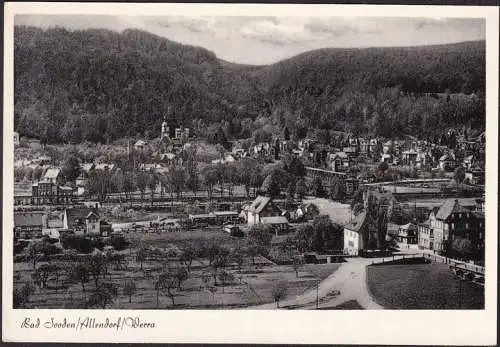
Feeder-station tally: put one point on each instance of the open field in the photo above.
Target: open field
(424, 286)
(251, 286)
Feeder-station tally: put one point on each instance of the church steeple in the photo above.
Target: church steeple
(165, 130)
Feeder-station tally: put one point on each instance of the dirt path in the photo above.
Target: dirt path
(349, 279)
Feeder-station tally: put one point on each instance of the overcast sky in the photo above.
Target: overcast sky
(264, 40)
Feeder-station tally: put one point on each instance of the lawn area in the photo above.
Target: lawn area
(348, 305)
(421, 286)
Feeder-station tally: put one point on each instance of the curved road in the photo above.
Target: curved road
(349, 279)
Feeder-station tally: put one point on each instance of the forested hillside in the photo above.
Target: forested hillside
(100, 85)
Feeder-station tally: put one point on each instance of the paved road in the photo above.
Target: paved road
(349, 279)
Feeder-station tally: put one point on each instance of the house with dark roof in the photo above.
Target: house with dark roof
(53, 175)
(362, 233)
(82, 220)
(353, 234)
(28, 225)
(262, 206)
(453, 220)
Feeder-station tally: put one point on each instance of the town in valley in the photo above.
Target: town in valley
(150, 174)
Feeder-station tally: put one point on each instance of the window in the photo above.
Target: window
(466, 225)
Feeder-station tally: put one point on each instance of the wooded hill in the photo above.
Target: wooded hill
(101, 85)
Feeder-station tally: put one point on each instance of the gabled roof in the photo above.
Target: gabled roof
(408, 226)
(357, 223)
(450, 206)
(52, 173)
(87, 167)
(28, 219)
(259, 204)
(79, 213)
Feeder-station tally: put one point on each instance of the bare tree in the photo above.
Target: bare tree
(181, 275)
(97, 267)
(129, 289)
(225, 278)
(142, 254)
(103, 295)
(167, 283)
(279, 291)
(80, 272)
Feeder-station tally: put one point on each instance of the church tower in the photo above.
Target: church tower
(165, 130)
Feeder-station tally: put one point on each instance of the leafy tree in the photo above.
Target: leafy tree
(260, 236)
(70, 168)
(336, 190)
(317, 187)
(22, 295)
(271, 185)
(177, 179)
(301, 189)
(303, 237)
(142, 181)
(103, 295)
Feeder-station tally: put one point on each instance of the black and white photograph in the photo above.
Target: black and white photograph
(249, 162)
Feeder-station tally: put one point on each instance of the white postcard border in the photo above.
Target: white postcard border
(461, 327)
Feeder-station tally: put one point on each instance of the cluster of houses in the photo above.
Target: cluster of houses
(53, 188)
(445, 224)
(78, 220)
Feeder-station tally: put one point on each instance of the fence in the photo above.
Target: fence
(435, 258)
(397, 257)
(457, 263)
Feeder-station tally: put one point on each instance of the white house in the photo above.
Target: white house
(262, 206)
(81, 220)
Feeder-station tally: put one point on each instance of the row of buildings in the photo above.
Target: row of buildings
(81, 220)
(447, 223)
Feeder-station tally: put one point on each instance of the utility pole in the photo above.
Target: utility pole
(460, 292)
(317, 294)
